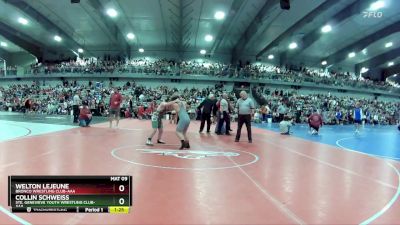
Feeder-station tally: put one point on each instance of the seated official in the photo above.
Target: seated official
(127, 113)
(315, 122)
(285, 125)
(85, 116)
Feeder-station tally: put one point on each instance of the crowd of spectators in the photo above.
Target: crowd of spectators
(334, 109)
(138, 99)
(257, 71)
(81, 66)
(59, 99)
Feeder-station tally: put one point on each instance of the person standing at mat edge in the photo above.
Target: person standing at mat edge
(75, 106)
(358, 115)
(115, 105)
(281, 111)
(224, 115)
(245, 107)
(209, 106)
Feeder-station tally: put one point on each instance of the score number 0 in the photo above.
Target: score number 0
(121, 188)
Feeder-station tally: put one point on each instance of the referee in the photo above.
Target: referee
(245, 107)
(75, 106)
(209, 107)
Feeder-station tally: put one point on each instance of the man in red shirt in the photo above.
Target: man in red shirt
(115, 106)
(315, 122)
(85, 116)
(141, 112)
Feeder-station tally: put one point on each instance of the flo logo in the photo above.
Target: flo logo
(372, 14)
(189, 154)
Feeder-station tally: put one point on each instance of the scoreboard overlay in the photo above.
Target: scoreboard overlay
(70, 194)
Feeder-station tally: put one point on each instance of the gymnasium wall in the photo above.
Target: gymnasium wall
(4, 55)
(21, 59)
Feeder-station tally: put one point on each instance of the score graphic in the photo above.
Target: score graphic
(77, 194)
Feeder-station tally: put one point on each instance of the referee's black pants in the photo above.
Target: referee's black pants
(75, 109)
(205, 117)
(280, 118)
(244, 119)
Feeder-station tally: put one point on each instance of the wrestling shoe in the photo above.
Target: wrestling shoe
(149, 142)
(187, 145)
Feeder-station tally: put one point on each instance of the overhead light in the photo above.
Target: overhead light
(203, 52)
(364, 70)
(364, 51)
(326, 29)
(390, 63)
(270, 56)
(130, 36)
(80, 50)
(57, 38)
(324, 62)
(389, 44)
(208, 38)
(3, 44)
(377, 5)
(352, 54)
(141, 50)
(219, 15)
(293, 45)
(22, 21)
(112, 12)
